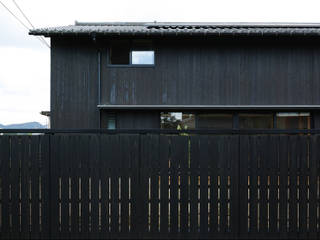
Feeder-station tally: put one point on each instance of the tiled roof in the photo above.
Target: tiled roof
(181, 29)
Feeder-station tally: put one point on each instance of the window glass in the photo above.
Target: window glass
(291, 120)
(138, 52)
(214, 120)
(253, 120)
(111, 121)
(177, 120)
(142, 57)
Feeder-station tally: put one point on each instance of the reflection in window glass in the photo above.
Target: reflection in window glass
(177, 120)
(142, 57)
(293, 120)
(252, 120)
(214, 120)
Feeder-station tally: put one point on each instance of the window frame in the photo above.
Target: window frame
(235, 116)
(130, 65)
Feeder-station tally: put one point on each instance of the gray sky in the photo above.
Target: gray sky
(25, 61)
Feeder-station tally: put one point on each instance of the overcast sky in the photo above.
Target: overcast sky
(25, 61)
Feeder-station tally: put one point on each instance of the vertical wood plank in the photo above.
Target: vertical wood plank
(25, 180)
(94, 188)
(303, 185)
(164, 159)
(16, 153)
(314, 172)
(5, 182)
(35, 166)
(293, 172)
(174, 168)
(194, 173)
(105, 152)
(203, 163)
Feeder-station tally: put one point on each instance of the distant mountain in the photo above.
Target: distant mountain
(28, 125)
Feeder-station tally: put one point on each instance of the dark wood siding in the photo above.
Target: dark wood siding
(186, 72)
(74, 85)
(211, 72)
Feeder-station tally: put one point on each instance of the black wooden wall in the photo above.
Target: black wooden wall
(160, 186)
(186, 72)
(74, 88)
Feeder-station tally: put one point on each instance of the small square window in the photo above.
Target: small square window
(124, 52)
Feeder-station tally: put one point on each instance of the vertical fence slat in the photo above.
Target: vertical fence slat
(65, 174)
(54, 185)
(283, 165)
(94, 175)
(85, 171)
(164, 156)
(115, 173)
(224, 175)
(24, 166)
(314, 172)
(243, 184)
(36, 165)
(29, 165)
(174, 185)
(5, 169)
(253, 187)
(134, 186)
(234, 185)
(273, 185)
(154, 164)
(303, 185)
(194, 172)
(184, 160)
(214, 156)
(125, 149)
(104, 173)
(204, 161)
(293, 188)
(211, 207)
(16, 151)
(74, 172)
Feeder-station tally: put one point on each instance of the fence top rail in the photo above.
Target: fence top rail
(159, 131)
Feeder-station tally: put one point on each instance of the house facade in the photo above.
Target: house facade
(184, 75)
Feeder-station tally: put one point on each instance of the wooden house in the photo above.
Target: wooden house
(184, 75)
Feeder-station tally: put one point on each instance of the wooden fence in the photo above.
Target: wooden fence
(160, 186)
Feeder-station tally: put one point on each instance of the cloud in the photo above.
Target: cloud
(13, 34)
(25, 63)
(24, 84)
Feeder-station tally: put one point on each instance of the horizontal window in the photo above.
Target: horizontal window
(236, 120)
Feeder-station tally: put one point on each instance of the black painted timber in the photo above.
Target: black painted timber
(206, 71)
(203, 177)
